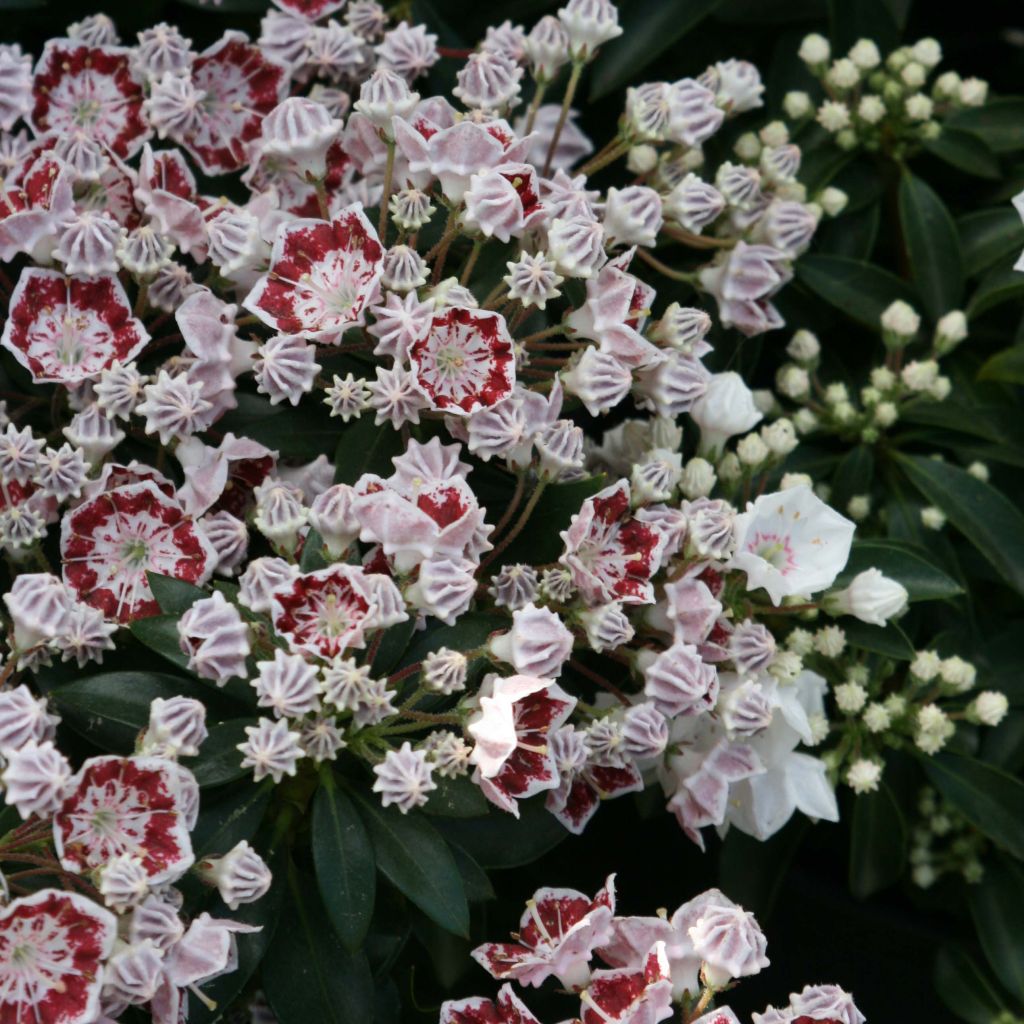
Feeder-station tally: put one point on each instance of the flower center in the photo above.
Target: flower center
(450, 360)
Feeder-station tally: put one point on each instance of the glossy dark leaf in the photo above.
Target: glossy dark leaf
(414, 858)
(649, 28)
(991, 799)
(932, 245)
(906, 563)
(888, 640)
(985, 516)
(456, 798)
(365, 448)
(236, 815)
(1007, 366)
(499, 840)
(988, 236)
(966, 152)
(160, 633)
(312, 557)
(112, 708)
(997, 906)
(308, 975)
(999, 123)
(345, 866)
(219, 761)
(965, 988)
(538, 543)
(1000, 285)
(174, 596)
(860, 290)
(878, 842)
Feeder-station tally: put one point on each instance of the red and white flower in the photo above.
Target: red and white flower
(582, 788)
(557, 934)
(512, 757)
(313, 10)
(424, 510)
(465, 362)
(52, 949)
(326, 612)
(67, 330)
(322, 276)
(89, 89)
(110, 541)
(639, 995)
(142, 806)
(508, 1008)
(238, 86)
(611, 554)
(30, 213)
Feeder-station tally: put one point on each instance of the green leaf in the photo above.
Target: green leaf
(160, 633)
(174, 596)
(988, 797)
(932, 245)
(393, 644)
(965, 988)
(414, 858)
(469, 632)
(498, 840)
(1001, 284)
(219, 761)
(345, 867)
(312, 557)
(878, 842)
(111, 709)
(308, 975)
(854, 475)
(364, 447)
(997, 906)
(650, 27)
(456, 798)
(235, 816)
(987, 236)
(1007, 366)
(889, 640)
(986, 518)
(905, 563)
(539, 540)
(861, 290)
(966, 152)
(474, 878)
(999, 123)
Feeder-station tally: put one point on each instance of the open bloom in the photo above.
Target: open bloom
(465, 361)
(143, 806)
(53, 946)
(325, 612)
(791, 542)
(611, 554)
(511, 754)
(70, 329)
(322, 278)
(109, 543)
(557, 934)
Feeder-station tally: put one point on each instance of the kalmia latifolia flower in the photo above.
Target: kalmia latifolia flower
(378, 461)
(70, 329)
(465, 361)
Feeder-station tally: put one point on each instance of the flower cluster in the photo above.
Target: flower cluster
(491, 585)
(117, 835)
(651, 965)
(882, 104)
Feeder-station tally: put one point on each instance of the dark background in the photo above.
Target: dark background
(882, 949)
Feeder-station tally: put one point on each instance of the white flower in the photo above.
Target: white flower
(240, 876)
(871, 597)
(791, 543)
(727, 408)
(730, 942)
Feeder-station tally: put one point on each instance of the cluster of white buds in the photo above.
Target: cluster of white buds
(878, 103)
(944, 842)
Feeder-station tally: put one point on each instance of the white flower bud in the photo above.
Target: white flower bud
(698, 479)
(797, 105)
(871, 597)
(833, 201)
(988, 708)
(863, 776)
(814, 49)
(864, 53)
(900, 319)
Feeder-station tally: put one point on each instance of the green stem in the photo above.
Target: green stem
(538, 99)
(563, 116)
(520, 523)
